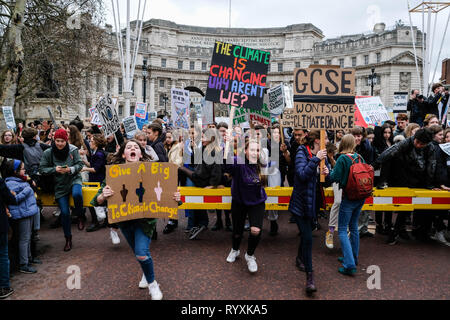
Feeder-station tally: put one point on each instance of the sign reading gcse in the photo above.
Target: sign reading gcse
(324, 98)
(237, 76)
(142, 190)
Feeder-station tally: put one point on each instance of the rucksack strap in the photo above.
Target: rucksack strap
(353, 160)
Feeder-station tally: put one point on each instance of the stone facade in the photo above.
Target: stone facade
(180, 55)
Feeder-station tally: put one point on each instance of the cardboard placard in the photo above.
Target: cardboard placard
(140, 110)
(130, 125)
(237, 75)
(142, 190)
(400, 102)
(276, 100)
(108, 115)
(9, 117)
(180, 108)
(95, 119)
(372, 110)
(323, 99)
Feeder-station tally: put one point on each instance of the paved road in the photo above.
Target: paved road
(197, 269)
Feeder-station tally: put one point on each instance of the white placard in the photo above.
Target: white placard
(445, 147)
(108, 115)
(95, 119)
(372, 110)
(9, 117)
(130, 125)
(180, 108)
(400, 102)
(288, 97)
(276, 100)
(207, 112)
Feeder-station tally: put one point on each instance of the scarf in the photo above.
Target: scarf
(61, 155)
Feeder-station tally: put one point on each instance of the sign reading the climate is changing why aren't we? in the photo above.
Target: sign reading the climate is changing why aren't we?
(238, 76)
(142, 190)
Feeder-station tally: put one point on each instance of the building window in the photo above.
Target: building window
(132, 107)
(378, 57)
(353, 61)
(204, 66)
(316, 62)
(280, 67)
(180, 65)
(366, 59)
(297, 64)
(163, 62)
(120, 110)
(192, 65)
(108, 83)
(341, 62)
(328, 62)
(161, 84)
(120, 85)
(161, 100)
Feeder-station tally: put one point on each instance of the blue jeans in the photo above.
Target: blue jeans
(4, 261)
(63, 204)
(140, 244)
(348, 217)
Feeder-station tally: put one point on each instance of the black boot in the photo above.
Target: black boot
(68, 245)
(300, 265)
(273, 228)
(310, 285)
(56, 223)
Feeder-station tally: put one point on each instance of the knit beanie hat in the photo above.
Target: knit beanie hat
(61, 134)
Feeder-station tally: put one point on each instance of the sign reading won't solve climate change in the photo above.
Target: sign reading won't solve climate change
(237, 76)
(323, 99)
(142, 190)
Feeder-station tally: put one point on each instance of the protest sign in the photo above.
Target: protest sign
(400, 102)
(288, 99)
(142, 190)
(141, 122)
(323, 99)
(207, 111)
(9, 117)
(262, 116)
(237, 75)
(240, 115)
(140, 110)
(372, 112)
(94, 116)
(180, 108)
(446, 148)
(130, 125)
(276, 100)
(108, 115)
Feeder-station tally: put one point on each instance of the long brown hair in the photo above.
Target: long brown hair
(76, 138)
(118, 159)
(263, 178)
(310, 137)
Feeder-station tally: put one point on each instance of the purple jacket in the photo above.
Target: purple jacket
(98, 162)
(246, 187)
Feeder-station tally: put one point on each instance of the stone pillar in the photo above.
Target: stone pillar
(152, 95)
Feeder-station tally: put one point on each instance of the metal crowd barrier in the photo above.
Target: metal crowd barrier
(390, 199)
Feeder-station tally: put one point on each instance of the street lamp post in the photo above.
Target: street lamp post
(144, 75)
(165, 98)
(373, 80)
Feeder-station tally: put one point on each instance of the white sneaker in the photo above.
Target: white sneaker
(439, 236)
(57, 212)
(233, 255)
(154, 291)
(143, 283)
(114, 236)
(251, 263)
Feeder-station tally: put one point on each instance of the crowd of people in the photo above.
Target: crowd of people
(40, 157)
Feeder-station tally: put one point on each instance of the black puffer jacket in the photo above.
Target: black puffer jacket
(414, 168)
(441, 174)
(207, 174)
(6, 198)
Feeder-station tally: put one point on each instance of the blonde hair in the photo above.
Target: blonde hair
(347, 144)
(409, 129)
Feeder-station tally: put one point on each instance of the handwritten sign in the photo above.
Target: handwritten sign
(207, 111)
(94, 116)
(130, 125)
(262, 116)
(180, 108)
(323, 99)
(372, 110)
(400, 101)
(108, 115)
(142, 190)
(140, 110)
(237, 76)
(240, 115)
(276, 100)
(9, 117)
(445, 147)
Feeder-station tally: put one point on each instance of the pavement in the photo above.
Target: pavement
(197, 270)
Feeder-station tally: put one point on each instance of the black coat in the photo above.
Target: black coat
(441, 174)
(418, 111)
(158, 146)
(207, 174)
(6, 199)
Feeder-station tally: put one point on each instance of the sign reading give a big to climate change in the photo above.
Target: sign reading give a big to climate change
(142, 190)
(237, 76)
(324, 98)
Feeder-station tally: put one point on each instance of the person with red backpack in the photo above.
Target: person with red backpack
(355, 177)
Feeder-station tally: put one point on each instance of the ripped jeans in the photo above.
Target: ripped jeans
(140, 243)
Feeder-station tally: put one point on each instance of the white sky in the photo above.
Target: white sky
(333, 17)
